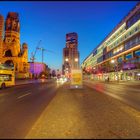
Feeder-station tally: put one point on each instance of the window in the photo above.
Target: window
(137, 53)
(120, 59)
(128, 56)
(136, 29)
(5, 77)
(133, 20)
(8, 53)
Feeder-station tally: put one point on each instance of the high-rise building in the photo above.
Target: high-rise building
(70, 54)
(10, 51)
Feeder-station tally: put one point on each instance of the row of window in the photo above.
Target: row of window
(134, 41)
(125, 37)
(5, 77)
(129, 44)
(115, 36)
(133, 19)
(100, 59)
(129, 56)
(118, 49)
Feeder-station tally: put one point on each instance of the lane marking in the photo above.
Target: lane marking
(23, 95)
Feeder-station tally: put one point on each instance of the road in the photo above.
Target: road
(20, 106)
(127, 93)
(48, 110)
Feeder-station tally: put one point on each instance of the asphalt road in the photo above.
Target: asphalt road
(127, 93)
(20, 107)
(49, 110)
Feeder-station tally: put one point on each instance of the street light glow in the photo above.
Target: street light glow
(66, 59)
(76, 59)
(112, 61)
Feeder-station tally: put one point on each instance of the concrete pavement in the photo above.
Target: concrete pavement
(86, 113)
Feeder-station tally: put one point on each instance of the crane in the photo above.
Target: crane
(39, 48)
(42, 49)
(33, 54)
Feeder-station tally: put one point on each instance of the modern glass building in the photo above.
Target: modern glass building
(117, 57)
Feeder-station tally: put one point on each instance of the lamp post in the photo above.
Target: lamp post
(116, 64)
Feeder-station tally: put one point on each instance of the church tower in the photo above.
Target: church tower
(10, 51)
(1, 35)
(12, 35)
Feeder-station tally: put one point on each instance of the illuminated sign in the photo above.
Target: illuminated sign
(76, 79)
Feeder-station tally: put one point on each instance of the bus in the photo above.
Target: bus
(7, 77)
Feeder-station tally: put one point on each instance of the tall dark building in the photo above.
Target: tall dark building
(70, 54)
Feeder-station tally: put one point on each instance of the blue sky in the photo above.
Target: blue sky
(50, 21)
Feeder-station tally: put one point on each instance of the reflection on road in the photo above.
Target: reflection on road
(129, 94)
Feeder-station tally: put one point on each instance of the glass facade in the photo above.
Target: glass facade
(128, 56)
(137, 53)
(132, 42)
(123, 46)
(133, 19)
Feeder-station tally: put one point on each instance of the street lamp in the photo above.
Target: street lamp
(116, 64)
(112, 61)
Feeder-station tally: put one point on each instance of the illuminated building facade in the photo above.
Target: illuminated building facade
(70, 54)
(10, 51)
(36, 68)
(117, 57)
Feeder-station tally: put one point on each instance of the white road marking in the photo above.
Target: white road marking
(23, 95)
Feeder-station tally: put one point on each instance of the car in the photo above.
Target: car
(61, 80)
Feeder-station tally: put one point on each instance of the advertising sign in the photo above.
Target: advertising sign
(76, 79)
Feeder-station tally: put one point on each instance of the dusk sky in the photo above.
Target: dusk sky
(50, 21)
